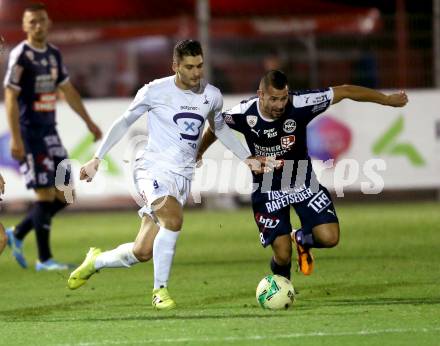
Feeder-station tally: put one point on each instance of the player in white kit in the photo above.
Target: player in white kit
(177, 107)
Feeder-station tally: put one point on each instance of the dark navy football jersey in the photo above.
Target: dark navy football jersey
(37, 74)
(284, 138)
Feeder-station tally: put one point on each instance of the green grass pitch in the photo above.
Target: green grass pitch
(379, 286)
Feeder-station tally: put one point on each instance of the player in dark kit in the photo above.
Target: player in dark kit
(274, 124)
(35, 74)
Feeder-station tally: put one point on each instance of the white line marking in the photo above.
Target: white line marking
(255, 337)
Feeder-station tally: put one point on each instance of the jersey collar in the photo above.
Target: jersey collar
(39, 50)
(261, 114)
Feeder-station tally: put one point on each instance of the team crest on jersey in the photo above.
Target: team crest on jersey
(289, 126)
(287, 141)
(251, 120)
(44, 62)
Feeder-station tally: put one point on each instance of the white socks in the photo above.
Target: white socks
(164, 247)
(122, 256)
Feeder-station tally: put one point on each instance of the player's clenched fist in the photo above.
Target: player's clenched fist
(399, 99)
(88, 170)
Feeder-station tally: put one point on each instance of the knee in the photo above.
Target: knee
(173, 223)
(329, 238)
(142, 254)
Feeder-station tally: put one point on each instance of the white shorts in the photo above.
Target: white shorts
(153, 183)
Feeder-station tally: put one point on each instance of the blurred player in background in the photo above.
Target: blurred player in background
(177, 108)
(35, 73)
(274, 124)
(2, 230)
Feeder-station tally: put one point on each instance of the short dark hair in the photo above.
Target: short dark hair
(274, 78)
(37, 6)
(187, 48)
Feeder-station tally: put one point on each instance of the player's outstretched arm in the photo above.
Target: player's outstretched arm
(207, 140)
(113, 136)
(362, 94)
(12, 113)
(74, 100)
(118, 129)
(88, 170)
(257, 164)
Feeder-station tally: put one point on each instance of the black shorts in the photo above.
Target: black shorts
(44, 153)
(272, 211)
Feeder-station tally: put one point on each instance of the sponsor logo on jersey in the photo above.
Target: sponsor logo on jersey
(44, 84)
(270, 133)
(46, 103)
(287, 141)
(251, 120)
(257, 132)
(289, 126)
(276, 150)
(189, 108)
(189, 125)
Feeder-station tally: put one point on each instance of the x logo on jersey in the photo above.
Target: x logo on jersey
(189, 126)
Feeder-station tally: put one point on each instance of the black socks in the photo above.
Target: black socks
(283, 270)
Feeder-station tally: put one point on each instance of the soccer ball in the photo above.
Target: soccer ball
(275, 292)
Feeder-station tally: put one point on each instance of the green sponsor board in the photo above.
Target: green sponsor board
(388, 144)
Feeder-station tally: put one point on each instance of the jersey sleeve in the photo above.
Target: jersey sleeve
(215, 119)
(139, 106)
(15, 70)
(232, 117)
(119, 128)
(311, 103)
(63, 74)
(223, 131)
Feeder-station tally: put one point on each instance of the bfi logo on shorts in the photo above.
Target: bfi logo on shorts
(267, 222)
(319, 202)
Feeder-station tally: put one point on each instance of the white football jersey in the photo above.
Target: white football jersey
(175, 122)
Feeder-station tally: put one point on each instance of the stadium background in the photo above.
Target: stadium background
(379, 286)
(111, 48)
